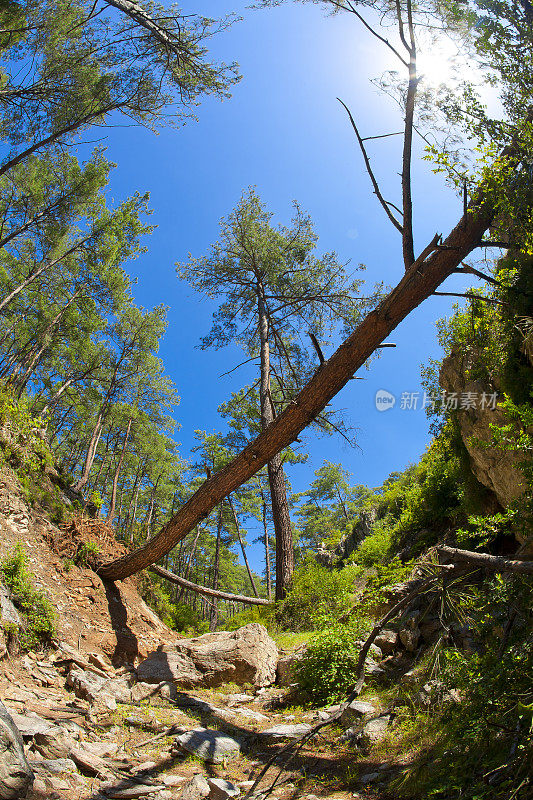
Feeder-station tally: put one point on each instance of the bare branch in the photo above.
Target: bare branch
(377, 190)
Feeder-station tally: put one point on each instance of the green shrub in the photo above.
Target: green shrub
(375, 548)
(328, 666)
(86, 554)
(35, 609)
(265, 615)
(318, 596)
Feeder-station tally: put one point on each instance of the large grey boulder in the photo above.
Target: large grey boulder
(209, 745)
(16, 776)
(247, 655)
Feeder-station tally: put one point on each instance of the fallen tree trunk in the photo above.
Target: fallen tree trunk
(417, 284)
(493, 563)
(195, 587)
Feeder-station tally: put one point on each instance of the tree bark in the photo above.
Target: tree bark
(492, 563)
(213, 617)
(267, 553)
(197, 589)
(276, 475)
(416, 285)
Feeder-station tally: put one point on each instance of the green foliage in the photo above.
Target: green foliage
(86, 554)
(488, 733)
(264, 615)
(317, 597)
(328, 666)
(36, 610)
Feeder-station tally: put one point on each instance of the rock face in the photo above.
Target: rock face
(362, 528)
(498, 471)
(16, 775)
(247, 655)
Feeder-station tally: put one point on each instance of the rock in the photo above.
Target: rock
(233, 699)
(376, 729)
(286, 672)
(370, 777)
(142, 691)
(30, 724)
(99, 661)
(53, 744)
(430, 629)
(286, 731)
(87, 762)
(99, 689)
(168, 691)
(436, 693)
(409, 638)
(247, 655)
(362, 528)
(387, 641)
(195, 789)
(16, 775)
(131, 792)
(247, 713)
(355, 712)
(373, 651)
(210, 745)
(8, 612)
(373, 670)
(55, 766)
(221, 789)
(172, 780)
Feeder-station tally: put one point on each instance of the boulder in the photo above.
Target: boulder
(195, 789)
(91, 687)
(409, 638)
(247, 655)
(355, 712)
(209, 745)
(286, 672)
(387, 641)
(376, 729)
(221, 789)
(53, 744)
(16, 775)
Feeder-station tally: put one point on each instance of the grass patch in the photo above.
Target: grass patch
(35, 609)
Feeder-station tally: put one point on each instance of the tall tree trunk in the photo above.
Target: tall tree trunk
(243, 549)
(213, 617)
(112, 503)
(416, 285)
(267, 552)
(91, 451)
(276, 475)
(189, 562)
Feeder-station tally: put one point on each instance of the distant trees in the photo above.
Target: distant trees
(328, 506)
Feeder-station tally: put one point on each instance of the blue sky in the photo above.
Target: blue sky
(284, 132)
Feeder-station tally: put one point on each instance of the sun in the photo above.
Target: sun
(442, 61)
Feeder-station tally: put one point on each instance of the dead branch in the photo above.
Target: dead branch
(493, 563)
(377, 190)
(195, 587)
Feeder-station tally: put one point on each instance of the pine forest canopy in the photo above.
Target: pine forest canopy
(83, 355)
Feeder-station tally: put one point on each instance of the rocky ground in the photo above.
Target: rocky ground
(86, 739)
